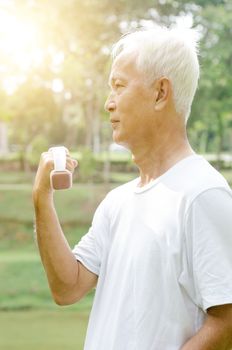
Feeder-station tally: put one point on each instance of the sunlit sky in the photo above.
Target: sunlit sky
(22, 49)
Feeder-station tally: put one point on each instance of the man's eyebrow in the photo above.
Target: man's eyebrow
(112, 79)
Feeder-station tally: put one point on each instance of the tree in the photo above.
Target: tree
(34, 112)
(213, 104)
(75, 37)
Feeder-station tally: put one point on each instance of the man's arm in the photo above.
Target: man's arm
(216, 332)
(68, 279)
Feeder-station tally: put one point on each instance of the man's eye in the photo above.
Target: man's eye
(119, 85)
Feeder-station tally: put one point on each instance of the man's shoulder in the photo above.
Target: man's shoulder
(198, 176)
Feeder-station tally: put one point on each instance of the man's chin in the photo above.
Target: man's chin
(120, 141)
(117, 138)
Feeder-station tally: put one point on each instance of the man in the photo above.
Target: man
(159, 250)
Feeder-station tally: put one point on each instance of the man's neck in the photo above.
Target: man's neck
(153, 161)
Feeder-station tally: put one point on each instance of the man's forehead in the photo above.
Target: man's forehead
(123, 66)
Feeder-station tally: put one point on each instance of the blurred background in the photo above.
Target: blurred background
(54, 66)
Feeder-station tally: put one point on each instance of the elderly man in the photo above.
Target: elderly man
(159, 250)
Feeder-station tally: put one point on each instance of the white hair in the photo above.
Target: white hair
(170, 53)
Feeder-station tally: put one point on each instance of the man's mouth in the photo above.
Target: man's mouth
(112, 120)
(114, 123)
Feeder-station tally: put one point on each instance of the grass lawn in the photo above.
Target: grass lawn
(43, 330)
(23, 282)
(24, 285)
(29, 319)
(75, 205)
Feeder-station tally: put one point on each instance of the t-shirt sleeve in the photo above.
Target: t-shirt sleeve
(90, 249)
(209, 234)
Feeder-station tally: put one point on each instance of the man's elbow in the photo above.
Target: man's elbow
(62, 302)
(63, 299)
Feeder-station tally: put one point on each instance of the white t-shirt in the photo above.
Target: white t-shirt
(163, 255)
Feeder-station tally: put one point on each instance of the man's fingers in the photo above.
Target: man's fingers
(71, 164)
(75, 163)
(47, 160)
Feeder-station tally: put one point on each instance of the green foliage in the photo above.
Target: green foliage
(5, 113)
(34, 111)
(38, 145)
(212, 108)
(87, 168)
(83, 33)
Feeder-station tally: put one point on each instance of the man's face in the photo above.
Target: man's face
(130, 102)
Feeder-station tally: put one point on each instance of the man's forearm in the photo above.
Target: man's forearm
(214, 335)
(58, 260)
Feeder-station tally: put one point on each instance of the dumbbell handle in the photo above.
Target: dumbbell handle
(60, 177)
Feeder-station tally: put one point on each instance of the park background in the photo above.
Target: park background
(54, 66)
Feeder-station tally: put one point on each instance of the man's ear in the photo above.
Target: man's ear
(162, 93)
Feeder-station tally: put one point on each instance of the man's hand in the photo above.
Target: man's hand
(42, 181)
(216, 332)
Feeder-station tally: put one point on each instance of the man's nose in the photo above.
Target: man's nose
(110, 104)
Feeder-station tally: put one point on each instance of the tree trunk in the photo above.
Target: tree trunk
(87, 107)
(96, 127)
(220, 140)
(4, 148)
